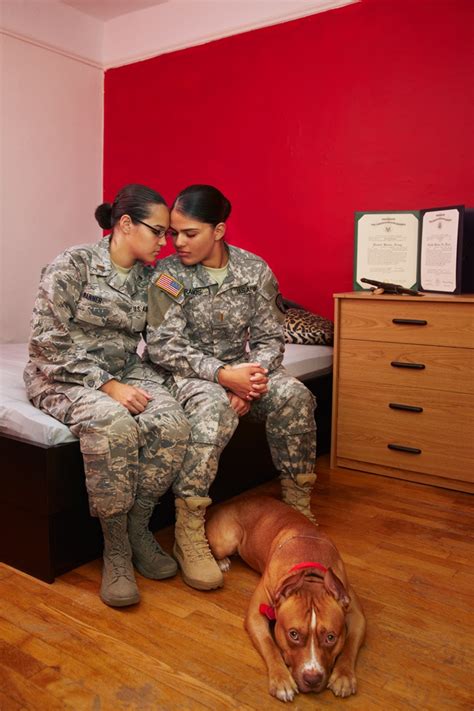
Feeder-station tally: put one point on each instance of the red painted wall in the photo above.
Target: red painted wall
(368, 107)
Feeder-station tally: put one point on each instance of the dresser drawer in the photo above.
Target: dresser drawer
(440, 435)
(411, 365)
(399, 321)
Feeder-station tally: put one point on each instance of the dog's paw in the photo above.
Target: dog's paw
(342, 683)
(283, 686)
(224, 564)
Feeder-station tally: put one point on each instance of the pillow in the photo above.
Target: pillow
(287, 304)
(304, 327)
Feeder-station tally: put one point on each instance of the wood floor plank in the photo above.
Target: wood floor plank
(5, 571)
(143, 636)
(14, 658)
(27, 694)
(12, 633)
(9, 704)
(127, 662)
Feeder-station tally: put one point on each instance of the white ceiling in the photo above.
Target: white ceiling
(108, 9)
(111, 33)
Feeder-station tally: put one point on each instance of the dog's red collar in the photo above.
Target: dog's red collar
(268, 610)
(309, 564)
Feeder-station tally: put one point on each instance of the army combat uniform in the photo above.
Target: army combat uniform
(195, 328)
(86, 325)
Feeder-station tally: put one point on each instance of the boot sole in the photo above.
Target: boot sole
(122, 602)
(199, 585)
(161, 576)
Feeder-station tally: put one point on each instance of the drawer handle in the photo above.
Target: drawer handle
(410, 321)
(401, 364)
(402, 448)
(409, 408)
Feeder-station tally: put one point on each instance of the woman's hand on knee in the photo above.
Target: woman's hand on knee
(240, 406)
(133, 399)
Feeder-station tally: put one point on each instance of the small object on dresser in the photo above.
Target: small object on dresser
(387, 287)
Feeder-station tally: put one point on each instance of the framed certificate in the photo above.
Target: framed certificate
(386, 247)
(447, 250)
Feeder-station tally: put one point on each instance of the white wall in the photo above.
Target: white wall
(50, 168)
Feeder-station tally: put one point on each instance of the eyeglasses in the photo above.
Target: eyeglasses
(158, 231)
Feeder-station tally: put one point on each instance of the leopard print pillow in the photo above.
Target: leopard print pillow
(304, 327)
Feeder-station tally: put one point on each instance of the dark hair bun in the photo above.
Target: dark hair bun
(103, 215)
(226, 209)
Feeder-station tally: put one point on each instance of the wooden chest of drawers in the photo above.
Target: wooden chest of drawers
(403, 398)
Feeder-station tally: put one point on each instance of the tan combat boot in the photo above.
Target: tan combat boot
(191, 549)
(297, 493)
(147, 555)
(118, 587)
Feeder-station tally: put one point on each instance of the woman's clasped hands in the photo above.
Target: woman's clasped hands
(244, 382)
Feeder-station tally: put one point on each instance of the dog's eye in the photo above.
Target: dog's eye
(330, 638)
(293, 634)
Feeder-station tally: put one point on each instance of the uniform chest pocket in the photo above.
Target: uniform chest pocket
(197, 310)
(233, 311)
(92, 309)
(118, 314)
(99, 308)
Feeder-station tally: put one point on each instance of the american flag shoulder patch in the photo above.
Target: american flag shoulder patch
(168, 284)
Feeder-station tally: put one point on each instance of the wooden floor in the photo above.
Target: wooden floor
(408, 551)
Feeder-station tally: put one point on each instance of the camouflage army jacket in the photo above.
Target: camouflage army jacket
(196, 331)
(86, 325)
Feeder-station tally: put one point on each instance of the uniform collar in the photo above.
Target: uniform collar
(238, 274)
(102, 266)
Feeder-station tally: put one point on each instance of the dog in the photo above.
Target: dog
(319, 624)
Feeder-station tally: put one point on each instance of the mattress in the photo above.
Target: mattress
(19, 418)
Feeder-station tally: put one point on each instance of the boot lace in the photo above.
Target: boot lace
(196, 544)
(120, 567)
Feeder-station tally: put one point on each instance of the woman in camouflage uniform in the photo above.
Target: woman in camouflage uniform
(215, 325)
(84, 370)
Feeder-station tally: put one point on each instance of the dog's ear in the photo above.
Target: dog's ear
(334, 586)
(289, 585)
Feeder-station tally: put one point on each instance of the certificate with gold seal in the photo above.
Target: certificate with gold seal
(386, 247)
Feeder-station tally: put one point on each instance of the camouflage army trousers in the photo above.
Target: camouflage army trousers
(124, 455)
(287, 410)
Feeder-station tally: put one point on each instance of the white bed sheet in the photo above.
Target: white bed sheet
(19, 418)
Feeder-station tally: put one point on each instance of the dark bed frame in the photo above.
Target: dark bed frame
(45, 525)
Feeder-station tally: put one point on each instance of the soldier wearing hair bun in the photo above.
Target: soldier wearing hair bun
(84, 370)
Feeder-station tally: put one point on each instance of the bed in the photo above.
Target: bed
(45, 526)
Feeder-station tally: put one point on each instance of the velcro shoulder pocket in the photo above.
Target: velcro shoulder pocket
(158, 304)
(269, 289)
(272, 295)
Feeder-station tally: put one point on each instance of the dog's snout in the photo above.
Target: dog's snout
(312, 677)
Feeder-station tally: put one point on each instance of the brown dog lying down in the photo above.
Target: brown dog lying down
(319, 623)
